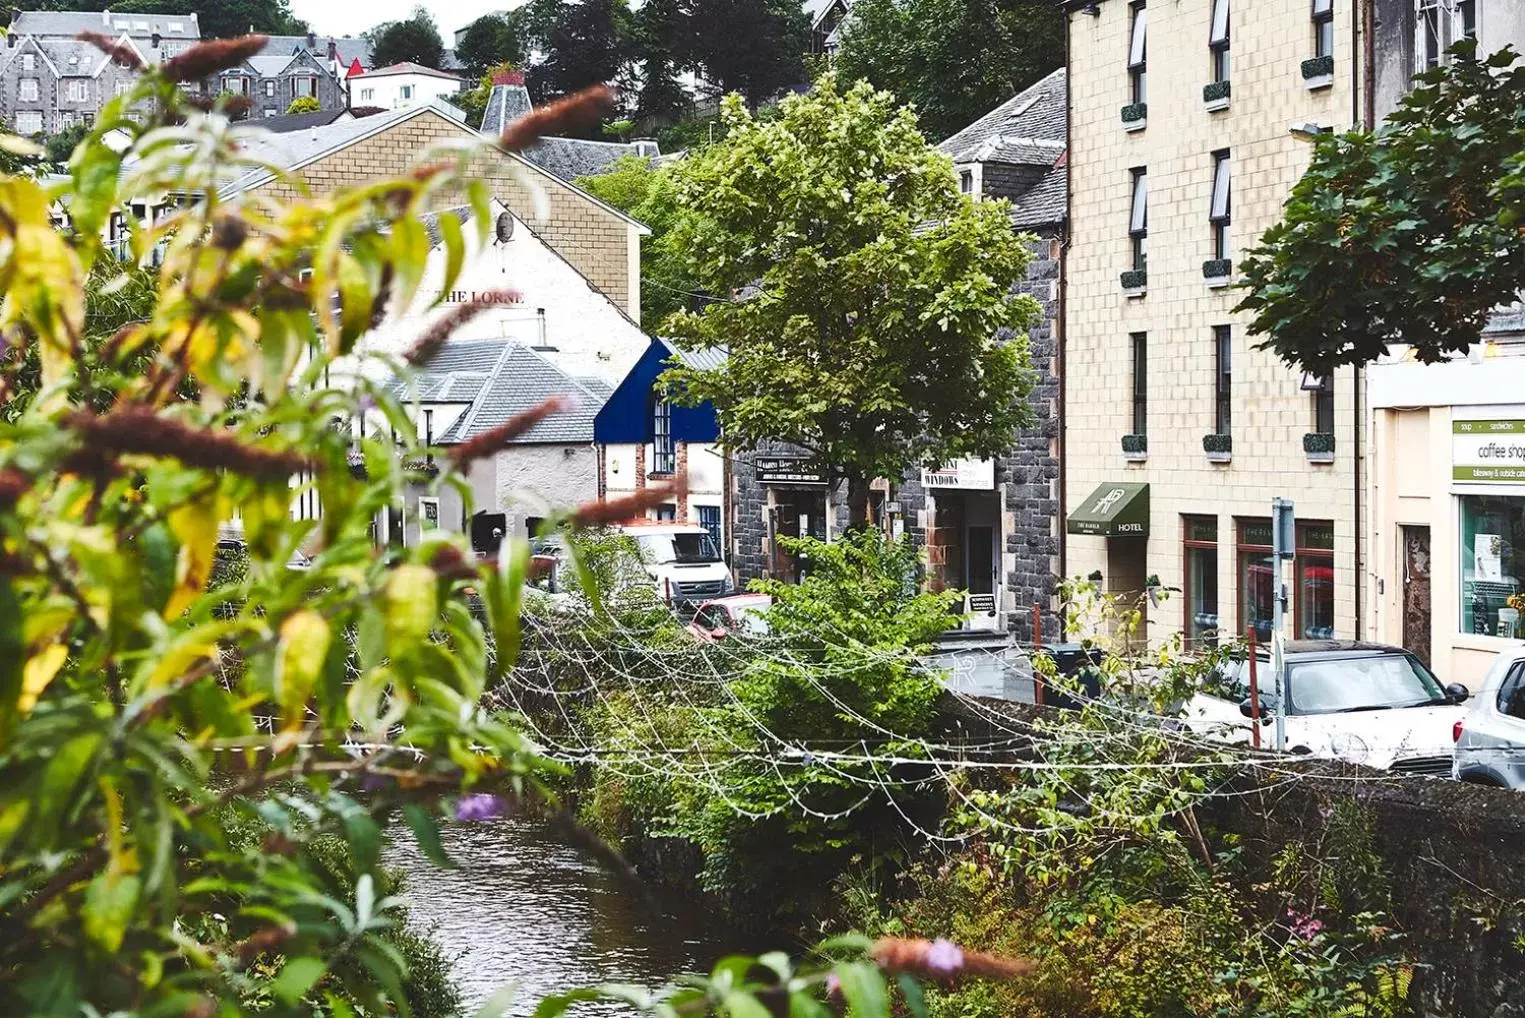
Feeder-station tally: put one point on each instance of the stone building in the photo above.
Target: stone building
(1178, 432)
(50, 80)
(272, 82)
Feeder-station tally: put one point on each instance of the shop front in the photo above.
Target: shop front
(964, 538)
(796, 504)
(1449, 511)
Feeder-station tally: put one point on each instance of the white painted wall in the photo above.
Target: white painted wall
(392, 91)
(590, 334)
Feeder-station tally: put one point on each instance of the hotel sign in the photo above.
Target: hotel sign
(975, 475)
(1488, 452)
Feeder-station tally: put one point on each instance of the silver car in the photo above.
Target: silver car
(1490, 740)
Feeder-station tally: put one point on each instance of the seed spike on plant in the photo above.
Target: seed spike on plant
(573, 113)
(608, 512)
(207, 58)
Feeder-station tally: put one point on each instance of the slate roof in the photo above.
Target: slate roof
(1037, 112)
(350, 49)
(408, 67)
(71, 57)
(270, 65)
(504, 378)
(71, 23)
(567, 158)
(288, 122)
(1026, 130)
(431, 221)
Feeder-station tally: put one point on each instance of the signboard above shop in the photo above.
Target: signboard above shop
(1488, 452)
(969, 475)
(789, 470)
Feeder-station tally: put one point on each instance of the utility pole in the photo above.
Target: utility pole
(1283, 546)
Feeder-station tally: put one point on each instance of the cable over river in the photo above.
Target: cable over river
(525, 907)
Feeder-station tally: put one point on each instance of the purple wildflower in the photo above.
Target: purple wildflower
(833, 985)
(480, 806)
(944, 957)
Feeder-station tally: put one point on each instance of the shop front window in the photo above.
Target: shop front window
(1257, 573)
(1315, 581)
(1201, 545)
(1492, 545)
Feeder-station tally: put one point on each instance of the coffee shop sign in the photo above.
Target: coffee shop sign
(1488, 451)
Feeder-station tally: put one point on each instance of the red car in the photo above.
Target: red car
(739, 613)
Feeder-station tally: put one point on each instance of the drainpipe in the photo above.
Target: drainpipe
(1362, 101)
(1061, 322)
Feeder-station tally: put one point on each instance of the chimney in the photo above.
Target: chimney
(157, 39)
(106, 19)
(312, 42)
(333, 51)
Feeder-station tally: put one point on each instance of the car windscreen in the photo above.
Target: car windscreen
(1335, 685)
(684, 549)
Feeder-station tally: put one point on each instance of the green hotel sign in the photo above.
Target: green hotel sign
(1488, 452)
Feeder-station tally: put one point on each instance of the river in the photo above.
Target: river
(525, 907)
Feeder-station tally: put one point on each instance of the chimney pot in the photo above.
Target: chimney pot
(508, 78)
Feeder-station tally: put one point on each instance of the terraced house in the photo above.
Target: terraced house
(1190, 121)
(50, 81)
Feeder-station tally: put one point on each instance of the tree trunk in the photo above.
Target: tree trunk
(857, 503)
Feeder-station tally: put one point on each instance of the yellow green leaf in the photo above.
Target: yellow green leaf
(412, 602)
(299, 661)
(195, 527)
(39, 671)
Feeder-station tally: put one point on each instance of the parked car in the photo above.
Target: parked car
(1367, 703)
(683, 561)
(739, 613)
(1490, 740)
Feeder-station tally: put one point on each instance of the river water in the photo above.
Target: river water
(524, 907)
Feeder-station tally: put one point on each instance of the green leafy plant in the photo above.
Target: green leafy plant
(304, 104)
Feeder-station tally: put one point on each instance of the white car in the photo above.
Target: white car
(1366, 703)
(682, 560)
(1490, 740)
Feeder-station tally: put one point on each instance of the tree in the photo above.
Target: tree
(870, 301)
(752, 47)
(586, 42)
(1409, 234)
(415, 40)
(902, 45)
(490, 41)
(660, 28)
(61, 145)
(304, 104)
(650, 195)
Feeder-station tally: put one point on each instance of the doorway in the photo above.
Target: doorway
(794, 513)
(1416, 591)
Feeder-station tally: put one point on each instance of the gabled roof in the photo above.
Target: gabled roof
(68, 24)
(350, 48)
(293, 150)
(1037, 113)
(408, 67)
(13, 52)
(268, 65)
(503, 379)
(567, 158)
(289, 122)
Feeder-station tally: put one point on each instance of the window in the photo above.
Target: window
(28, 62)
(1492, 558)
(1140, 343)
(79, 91)
(1201, 547)
(367, 94)
(1257, 577)
(966, 181)
(1217, 40)
(1323, 28)
(1323, 406)
(176, 27)
(662, 458)
(1223, 379)
(667, 512)
(1314, 566)
(406, 91)
(29, 91)
(270, 89)
(28, 122)
(122, 88)
(1138, 219)
(709, 519)
(1511, 701)
(1466, 19)
(1138, 78)
(1218, 213)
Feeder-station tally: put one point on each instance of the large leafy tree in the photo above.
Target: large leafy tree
(1410, 234)
(871, 318)
(650, 194)
(414, 40)
(585, 43)
(752, 47)
(219, 18)
(1002, 46)
(660, 35)
(491, 40)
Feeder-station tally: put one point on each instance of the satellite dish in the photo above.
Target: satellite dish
(505, 227)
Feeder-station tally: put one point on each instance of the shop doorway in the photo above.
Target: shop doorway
(1127, 576)
(794, 514)
(1416, 591)
(964, 551)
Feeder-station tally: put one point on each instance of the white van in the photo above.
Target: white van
(682, 560)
